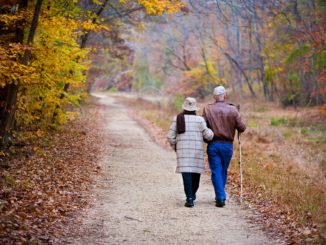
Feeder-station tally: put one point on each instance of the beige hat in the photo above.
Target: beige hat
(190, 104)
(219, 90)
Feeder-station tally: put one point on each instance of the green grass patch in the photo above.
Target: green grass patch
(275, 121)
(305, 131)
(253, 124)
(113, 89)
(289, 122)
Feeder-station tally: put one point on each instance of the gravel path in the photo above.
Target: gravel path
(139, 198)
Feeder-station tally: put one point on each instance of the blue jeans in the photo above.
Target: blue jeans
(190, 184)
(219, 157)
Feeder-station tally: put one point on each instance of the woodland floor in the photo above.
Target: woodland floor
(139, 199)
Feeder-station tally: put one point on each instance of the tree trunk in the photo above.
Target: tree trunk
(238, 49)
(11, 90)
(237, 65)
(83, 42)
(98, 14)
(8, 94)
(260, 52)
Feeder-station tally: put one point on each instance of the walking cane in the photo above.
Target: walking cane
(240, 161)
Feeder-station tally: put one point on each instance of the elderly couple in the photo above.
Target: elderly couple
(187, 135)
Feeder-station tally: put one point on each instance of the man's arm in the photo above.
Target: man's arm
(240, 125)
(204, 114)
(205, 117)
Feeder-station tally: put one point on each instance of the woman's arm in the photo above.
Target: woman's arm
(172, 134)
(207, 132)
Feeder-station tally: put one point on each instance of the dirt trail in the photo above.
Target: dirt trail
(139, 199)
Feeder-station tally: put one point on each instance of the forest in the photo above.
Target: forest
(267, 53)
(270, 49)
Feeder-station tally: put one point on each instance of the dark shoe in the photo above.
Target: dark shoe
(189, 203)
(220, 204)
(194, 197)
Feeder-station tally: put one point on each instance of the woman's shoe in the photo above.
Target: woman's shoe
(189, 203)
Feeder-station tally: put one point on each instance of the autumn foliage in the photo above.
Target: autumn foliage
(44, 58)
(269, 49)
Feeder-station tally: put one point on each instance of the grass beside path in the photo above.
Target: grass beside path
(292, 202)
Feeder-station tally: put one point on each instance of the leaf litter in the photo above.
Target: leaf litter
(46, 182)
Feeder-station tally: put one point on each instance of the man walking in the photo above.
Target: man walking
(223, 119)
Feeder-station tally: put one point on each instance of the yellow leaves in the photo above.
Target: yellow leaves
(57, 59)
(97, 2)
(210, 67)
(72, 115)
(8, 20)
(39, 151)
(11, 69)
(40, 133)
(203, 74)
(200, 79)
(159, 7)
(94, 27)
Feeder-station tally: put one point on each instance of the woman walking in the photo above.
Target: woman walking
(186, 136)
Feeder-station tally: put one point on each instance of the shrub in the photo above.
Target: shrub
(290, 99)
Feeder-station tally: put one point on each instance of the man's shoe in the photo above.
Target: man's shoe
(189, 203)
(220, 204)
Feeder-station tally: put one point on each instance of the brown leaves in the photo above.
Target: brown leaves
(277, 218)
(41, 189)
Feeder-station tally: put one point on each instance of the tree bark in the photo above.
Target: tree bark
(8, 94)
(98, 14)
(11, 90)
(238, 48)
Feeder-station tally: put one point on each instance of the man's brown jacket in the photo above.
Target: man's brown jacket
(223, 119)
